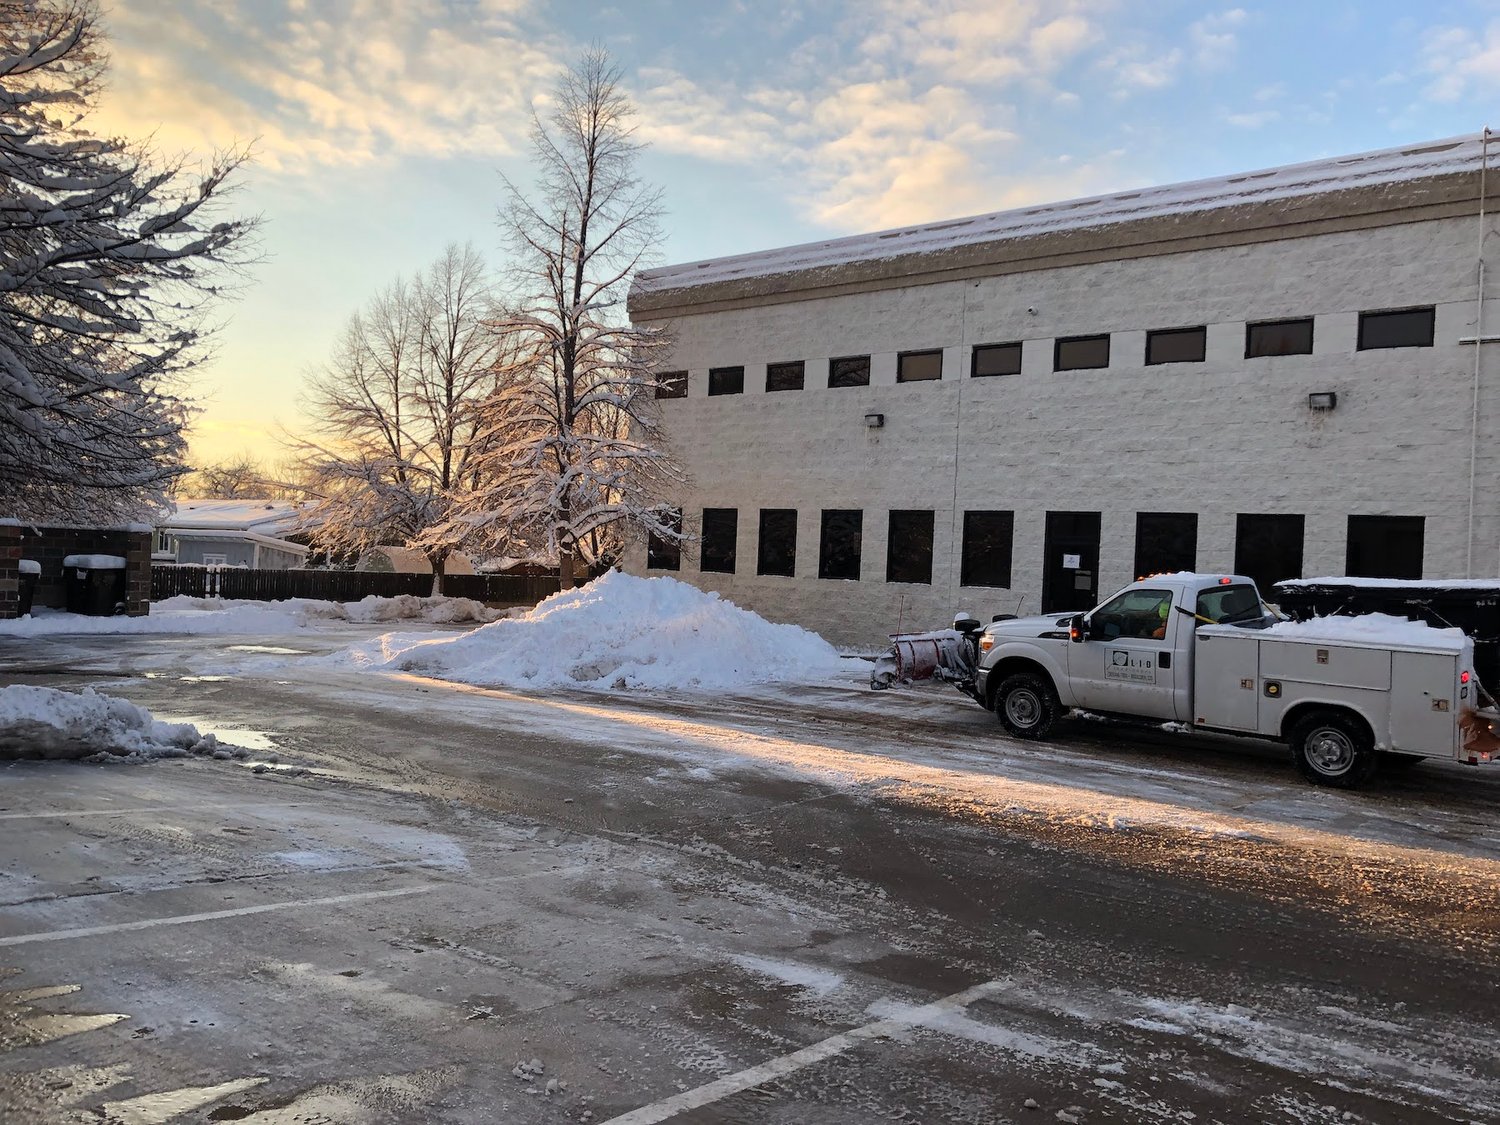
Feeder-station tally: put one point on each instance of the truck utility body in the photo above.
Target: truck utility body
(1202, 650)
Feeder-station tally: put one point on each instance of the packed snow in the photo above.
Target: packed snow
(184, 614)
(1368, 628)
(1415, 584)
(619, 631)
(30, 566)
(95, 562)
(41, 722)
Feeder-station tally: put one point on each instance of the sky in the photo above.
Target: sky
(381, 128)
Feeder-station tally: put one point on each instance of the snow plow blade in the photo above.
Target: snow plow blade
(943, 654)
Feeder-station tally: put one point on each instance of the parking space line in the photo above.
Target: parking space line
(786, 1064)
(212, 915)
(128, 812)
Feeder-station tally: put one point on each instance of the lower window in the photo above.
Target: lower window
(720, 530)
(665, 552)
(1384, 547)
(839, 545)
(1165, 542)
(1268, 548)
(908, 554)
(987, 547)
(777, 553)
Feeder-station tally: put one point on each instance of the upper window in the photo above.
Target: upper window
(839, 547)
(918, 367)
(986, 551)
(671, 384)
(664, 552)
(778, 542)
(908, 555)
(1176, 345)
(720, 530)
(1080, 353)
(726, 380)
(849, 371)
(1279, 337)
(784, 376)
(996, 359)
(1396, 328)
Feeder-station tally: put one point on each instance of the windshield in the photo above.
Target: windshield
(1227, 605)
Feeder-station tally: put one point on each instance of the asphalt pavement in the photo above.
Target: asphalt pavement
(415, 902)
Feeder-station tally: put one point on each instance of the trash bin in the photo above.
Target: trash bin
(95, 584)
(31, 572)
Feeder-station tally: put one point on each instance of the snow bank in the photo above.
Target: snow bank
(40, 722)
(618, 631)
(1395, 583)
(1368, 628)
(215, 615)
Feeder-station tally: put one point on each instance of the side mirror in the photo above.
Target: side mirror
(1078, 629)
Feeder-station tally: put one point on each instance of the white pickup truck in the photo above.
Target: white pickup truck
(1203, 650)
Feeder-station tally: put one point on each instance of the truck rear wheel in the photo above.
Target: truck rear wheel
(1027, 705)
(1334, 749)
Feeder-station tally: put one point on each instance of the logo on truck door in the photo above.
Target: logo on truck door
(1134, 667)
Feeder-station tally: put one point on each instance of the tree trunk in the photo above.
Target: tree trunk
(438, 561)
(567, 580)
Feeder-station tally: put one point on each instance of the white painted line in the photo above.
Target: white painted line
(807, 1056)
(128, 812)
(184, 919)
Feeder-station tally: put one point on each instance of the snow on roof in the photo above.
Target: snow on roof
(1386, 166)
(268, 517)
(219, 535)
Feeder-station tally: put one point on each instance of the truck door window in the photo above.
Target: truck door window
(1227, 604)
(1140, 614)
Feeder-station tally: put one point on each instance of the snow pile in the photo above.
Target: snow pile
(184, 614)
(618, 631)
(1368, 628)
(40, 722)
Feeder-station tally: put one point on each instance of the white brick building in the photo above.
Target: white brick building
(1100, 445)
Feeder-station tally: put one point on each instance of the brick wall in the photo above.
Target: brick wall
(50, 545)
(1225, 436)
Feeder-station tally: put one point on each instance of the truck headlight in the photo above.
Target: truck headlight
(986, 642)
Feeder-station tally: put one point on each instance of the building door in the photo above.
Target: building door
(1070, 563)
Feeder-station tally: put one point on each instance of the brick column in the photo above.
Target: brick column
(137, 573)
(10, 571)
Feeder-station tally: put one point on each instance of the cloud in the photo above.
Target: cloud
(1214, 39)
(1462, 63)
(338, 84)
(1255, 120)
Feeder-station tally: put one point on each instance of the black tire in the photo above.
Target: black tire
(1026, 705)
(1334, 749)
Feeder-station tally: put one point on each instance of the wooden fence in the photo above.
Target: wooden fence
(341, 585)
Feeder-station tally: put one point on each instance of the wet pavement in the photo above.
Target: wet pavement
(450, 905)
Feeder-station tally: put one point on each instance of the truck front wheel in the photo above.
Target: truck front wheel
(1334, 749)
(1026, 705)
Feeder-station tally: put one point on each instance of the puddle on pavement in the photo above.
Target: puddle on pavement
(157, 1109)
(22, 1024)
(276, 650)
(247, 737)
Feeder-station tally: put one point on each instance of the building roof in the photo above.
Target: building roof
(222, 535)
(265, 517)
(1367, 184)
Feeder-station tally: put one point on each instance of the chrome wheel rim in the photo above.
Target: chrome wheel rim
(1330, 751)
(1023, 708)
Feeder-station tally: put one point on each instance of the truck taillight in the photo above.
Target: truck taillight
(1463, 677)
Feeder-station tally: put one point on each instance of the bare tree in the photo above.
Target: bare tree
(233, 479)
(111, 258)
(397, 411)
(573, 458)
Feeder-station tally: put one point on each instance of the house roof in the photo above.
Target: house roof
(265, 517)
(1381, 183)
(222, 535)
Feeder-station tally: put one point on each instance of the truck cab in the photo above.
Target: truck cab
(1131, 655)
